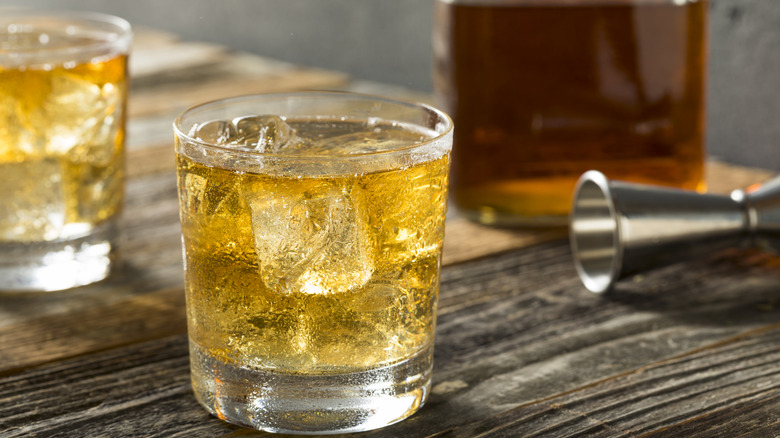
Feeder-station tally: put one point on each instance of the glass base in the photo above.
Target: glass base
(58, 265)
(311, 404)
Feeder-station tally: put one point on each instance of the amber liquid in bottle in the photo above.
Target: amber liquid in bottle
(541, 94)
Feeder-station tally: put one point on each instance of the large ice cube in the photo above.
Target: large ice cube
(61, 113)
(315, 242)
(32, 205)
(99, 190)
(363, 142)
(267, 133)
(75, 113)
(219, 132)
(100, 135)
(193, 193)
(208, 201)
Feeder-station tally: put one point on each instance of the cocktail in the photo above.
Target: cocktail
(312, 230)
(63, 88)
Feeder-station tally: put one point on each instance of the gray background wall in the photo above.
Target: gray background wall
(389, 41)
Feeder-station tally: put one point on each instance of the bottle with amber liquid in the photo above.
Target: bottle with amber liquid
(543, 90)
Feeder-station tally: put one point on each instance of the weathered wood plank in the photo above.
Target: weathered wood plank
(169, 75)
(162, 57)
(538, 337)
(138, 318)
(154, 131)
(703, 387)
(723, 177)
(753, 418)
(465, 240)
(88, 388)
(180, 90)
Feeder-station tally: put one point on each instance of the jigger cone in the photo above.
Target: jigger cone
(619, 229)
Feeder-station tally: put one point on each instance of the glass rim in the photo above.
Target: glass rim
(440, 134)
(120, 30)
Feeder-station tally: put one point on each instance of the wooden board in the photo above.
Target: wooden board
(516, 355)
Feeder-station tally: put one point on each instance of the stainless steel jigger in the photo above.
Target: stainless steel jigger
(618, 229)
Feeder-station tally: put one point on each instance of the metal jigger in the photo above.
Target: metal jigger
(619, 229)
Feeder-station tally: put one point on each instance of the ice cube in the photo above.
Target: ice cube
(219, 132)
(74, 111)
(32, 205)
(193, 192)
(207, 200)
(100, 135)
(315, 242)
(11, 133)
(379, 295)
(61, 113)
(267, 133)
(356, 143)
(94, 192)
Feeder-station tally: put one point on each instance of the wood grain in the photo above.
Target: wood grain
(505, 366)
(663, 399)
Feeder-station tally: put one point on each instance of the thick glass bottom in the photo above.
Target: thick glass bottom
(58, 265)
(311, 404)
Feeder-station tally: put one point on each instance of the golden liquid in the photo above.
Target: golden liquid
(61, 148)
(541, 94)
(313, 274)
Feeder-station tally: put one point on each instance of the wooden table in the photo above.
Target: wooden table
(522, 349)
